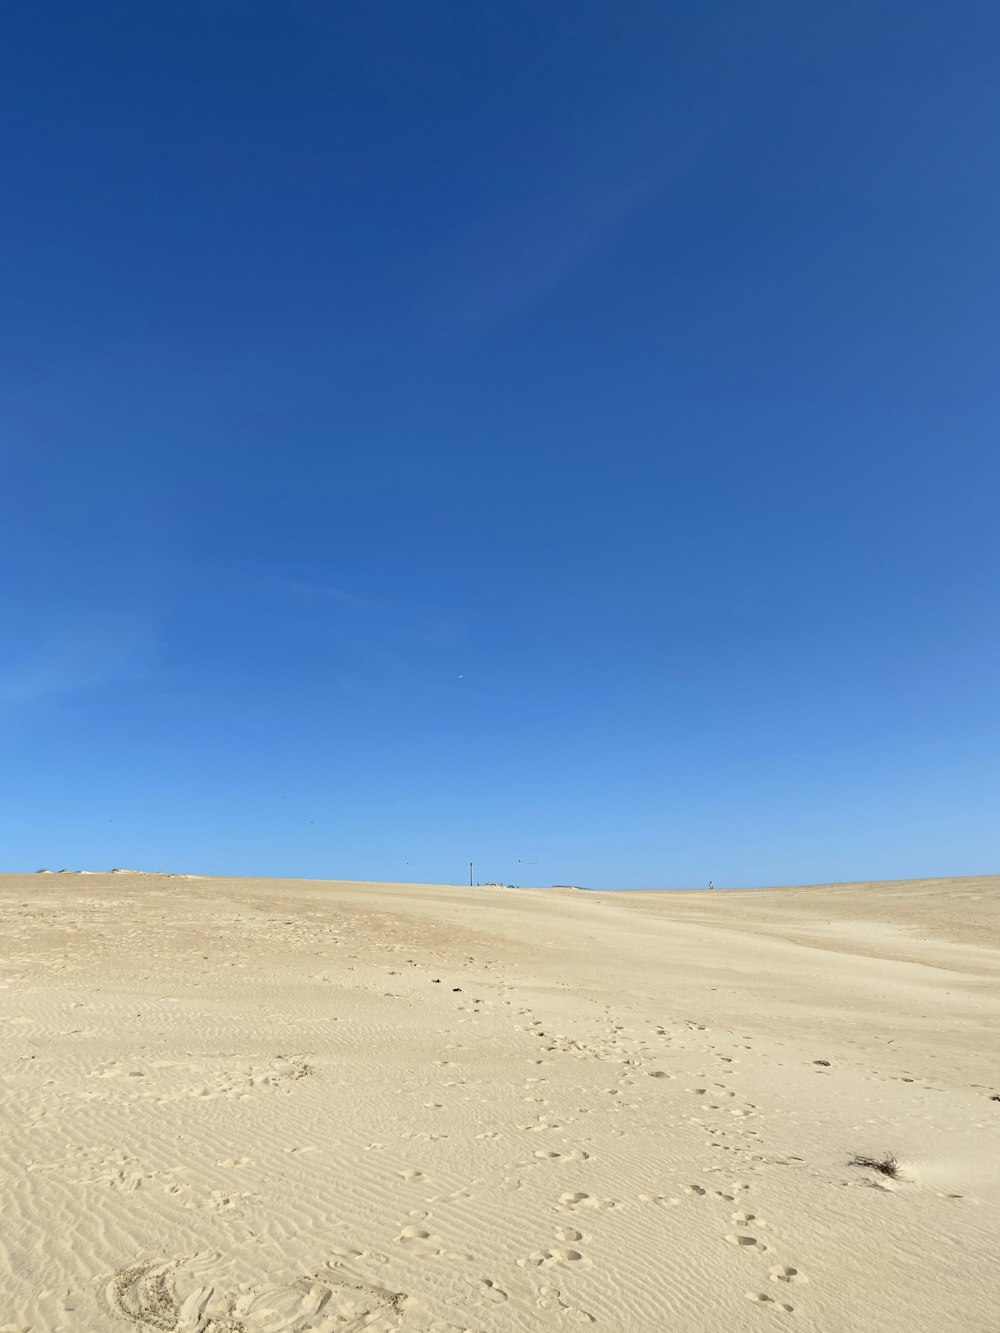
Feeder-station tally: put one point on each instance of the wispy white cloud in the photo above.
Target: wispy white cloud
(629, 158)
(390, 636)
(518, 255)
(304, 591)
(82, 651)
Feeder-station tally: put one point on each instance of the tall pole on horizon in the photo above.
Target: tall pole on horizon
(470, 874)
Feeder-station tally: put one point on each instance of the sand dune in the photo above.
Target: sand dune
(263, 1106)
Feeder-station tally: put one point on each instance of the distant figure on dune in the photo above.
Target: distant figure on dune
(711, 885)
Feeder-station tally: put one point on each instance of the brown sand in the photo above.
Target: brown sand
(273, 1106)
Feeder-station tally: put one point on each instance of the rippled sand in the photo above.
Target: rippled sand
(259, 1106)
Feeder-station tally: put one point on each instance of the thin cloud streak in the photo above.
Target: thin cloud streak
(304, 591)
(84, 653)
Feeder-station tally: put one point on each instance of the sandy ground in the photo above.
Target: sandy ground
(252, 1106)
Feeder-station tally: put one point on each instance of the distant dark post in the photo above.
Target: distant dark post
(470, 874)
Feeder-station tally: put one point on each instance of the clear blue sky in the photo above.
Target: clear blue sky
(556, 432)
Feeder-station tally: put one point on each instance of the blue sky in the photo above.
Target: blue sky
(557, 435)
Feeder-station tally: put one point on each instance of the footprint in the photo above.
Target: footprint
(489, 1291)
(546, 1258)
(414, 1235)
(551, 1298)
(780, 1273)
(222, 1201)
(373, 1256)
(126, 1180)
(744, 1241)
(762, 1298)
(577, 1199)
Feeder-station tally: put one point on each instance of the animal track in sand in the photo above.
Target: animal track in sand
(237, 1082)
(126, 1178)
(223, 1201)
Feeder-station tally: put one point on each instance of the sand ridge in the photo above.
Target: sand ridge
(235, 1105)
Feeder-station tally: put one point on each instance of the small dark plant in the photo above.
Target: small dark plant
(886, 1165)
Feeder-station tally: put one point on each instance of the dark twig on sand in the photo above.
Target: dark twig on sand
(886, 1165)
